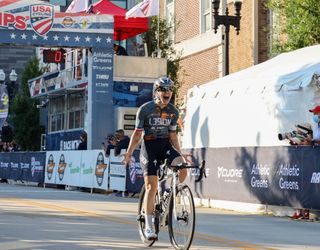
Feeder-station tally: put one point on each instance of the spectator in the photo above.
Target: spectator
(119, 50)
(83, 143)
(6, 133)
(123, 141)
(112, 142)
(13, 146)
(316, 134)
(305, 130)
(5, 147)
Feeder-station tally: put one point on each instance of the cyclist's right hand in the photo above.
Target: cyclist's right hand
(126, 158)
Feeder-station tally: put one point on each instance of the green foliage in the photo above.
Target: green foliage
(300, 22)
(166, 48)
(24, 113)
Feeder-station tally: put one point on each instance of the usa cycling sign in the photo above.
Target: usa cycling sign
(41, 18)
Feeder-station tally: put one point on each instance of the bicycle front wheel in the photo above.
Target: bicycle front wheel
(181, 218)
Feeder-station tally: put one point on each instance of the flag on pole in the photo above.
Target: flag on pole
(147, 8)
(78, 6)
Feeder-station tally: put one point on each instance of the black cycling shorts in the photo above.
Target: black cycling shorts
(154, 152)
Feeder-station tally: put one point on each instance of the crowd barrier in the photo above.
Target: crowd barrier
(91, 169)
(285, 176)
(88, 168)
(23, 166)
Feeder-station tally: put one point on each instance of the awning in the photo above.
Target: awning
(123, 28)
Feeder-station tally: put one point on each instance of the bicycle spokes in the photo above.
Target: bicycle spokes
(182, 218)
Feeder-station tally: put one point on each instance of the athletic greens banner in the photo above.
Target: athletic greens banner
(288, 176)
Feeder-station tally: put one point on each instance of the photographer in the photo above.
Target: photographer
(301, 136)
(112, 142)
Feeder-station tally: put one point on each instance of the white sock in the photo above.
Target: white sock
(149, 221)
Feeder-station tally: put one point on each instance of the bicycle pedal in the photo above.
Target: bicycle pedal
(140, 218)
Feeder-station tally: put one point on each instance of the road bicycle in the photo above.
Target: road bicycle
(174, 207)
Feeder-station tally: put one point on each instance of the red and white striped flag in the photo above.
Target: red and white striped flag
(146, 8)
(78, 6)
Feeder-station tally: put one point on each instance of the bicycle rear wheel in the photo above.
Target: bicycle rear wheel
(182, 218)
(141, 220)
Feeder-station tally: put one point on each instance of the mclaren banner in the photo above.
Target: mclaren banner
(288, 176)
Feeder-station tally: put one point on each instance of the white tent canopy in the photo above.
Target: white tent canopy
(250, 107)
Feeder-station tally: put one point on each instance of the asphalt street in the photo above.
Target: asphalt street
(48, 218)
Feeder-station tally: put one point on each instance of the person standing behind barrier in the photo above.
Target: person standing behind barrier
(112, 142)
(83, 143)
(123, 141)
(316, 119)
(304, 130)
(119, 50)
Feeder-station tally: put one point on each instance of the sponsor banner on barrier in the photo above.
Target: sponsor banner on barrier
(87, 168)
(22, 166)
(68, 169)
(117, 172)
(134, 174)
(288, 176)
(51, 167)
(101, 168)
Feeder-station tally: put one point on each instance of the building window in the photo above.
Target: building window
(58, 2)
(56, 114)
(170, 18)
(205, 15)
(75, 111)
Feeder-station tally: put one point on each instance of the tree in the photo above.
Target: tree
(166, 48)
(24, 113)
(299, 23)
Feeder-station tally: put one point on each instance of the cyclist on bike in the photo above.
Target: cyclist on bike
(157, 119)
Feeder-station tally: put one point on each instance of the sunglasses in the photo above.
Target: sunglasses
(165, 89)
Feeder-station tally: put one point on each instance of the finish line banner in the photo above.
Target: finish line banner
(288, 176)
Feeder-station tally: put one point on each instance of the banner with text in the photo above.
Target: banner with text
(288, 176)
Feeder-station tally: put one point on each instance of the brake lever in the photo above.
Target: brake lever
(202, 171)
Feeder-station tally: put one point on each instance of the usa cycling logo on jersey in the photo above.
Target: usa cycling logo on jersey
(41, 18)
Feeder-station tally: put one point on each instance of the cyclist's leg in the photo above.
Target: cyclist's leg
(182, 172)
(151, 185)
(148, 163)
(175, 158)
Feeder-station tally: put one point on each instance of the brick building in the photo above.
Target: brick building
(202, 50)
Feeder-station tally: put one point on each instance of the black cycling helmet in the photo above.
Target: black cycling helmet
(163, 82)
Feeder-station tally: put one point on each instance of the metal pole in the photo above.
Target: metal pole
(227, 49)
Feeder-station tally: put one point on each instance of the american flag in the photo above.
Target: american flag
(147, 8)
(78, 6)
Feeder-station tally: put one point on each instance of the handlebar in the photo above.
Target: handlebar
(164, 167)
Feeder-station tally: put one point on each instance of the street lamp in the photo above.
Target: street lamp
(227, 21)
(2, 76)
(13, 76)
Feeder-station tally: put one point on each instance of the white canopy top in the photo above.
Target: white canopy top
(250, 107)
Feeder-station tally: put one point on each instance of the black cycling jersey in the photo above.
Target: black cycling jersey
(157, 122)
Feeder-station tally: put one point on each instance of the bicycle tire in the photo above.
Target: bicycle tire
(183, 226)
(141, 220)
